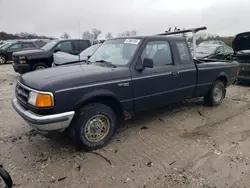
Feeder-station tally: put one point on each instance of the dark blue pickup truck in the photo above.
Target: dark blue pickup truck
(124, 76)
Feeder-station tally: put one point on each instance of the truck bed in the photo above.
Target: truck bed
(208, 70)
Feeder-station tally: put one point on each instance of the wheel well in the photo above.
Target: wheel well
(3, 55)
(112, 102)
(223, 79)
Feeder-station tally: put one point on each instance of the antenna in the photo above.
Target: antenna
(79, 33)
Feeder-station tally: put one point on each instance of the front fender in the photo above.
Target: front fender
(96, 93)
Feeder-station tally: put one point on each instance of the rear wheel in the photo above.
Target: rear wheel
(2, 59)
(93, 126)
(39, 66)
(216, 94)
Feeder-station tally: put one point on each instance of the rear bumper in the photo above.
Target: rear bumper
(44, 123)
(21, 68)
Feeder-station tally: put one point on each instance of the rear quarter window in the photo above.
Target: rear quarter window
(183, 52)
(81, 45)
(28, 45)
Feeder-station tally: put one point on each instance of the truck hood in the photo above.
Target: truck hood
(241, 42)
(37, 53)
(67, 76)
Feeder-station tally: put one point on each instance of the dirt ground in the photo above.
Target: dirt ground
(185, 145)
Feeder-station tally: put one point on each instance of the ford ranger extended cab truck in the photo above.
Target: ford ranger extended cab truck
(124, 76)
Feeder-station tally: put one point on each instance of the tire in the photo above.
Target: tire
(216, 94)
(39, 66)
(93, 126)
(6, 177)
(2, 59)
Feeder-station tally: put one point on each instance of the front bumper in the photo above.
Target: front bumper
(21, 68)
(44, 123)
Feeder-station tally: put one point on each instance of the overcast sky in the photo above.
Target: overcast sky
(53, 17)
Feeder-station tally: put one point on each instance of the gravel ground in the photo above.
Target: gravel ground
(185, 145)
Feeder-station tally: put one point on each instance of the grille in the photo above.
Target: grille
(22, 93)
(15, 59)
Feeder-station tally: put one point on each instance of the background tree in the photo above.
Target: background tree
(91, 35)
(87, 35)
(65, 36)
(109, 35)
(96, 33)
(128, 33)
(22, 35)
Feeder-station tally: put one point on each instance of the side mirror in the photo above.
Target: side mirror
(89, 56)
(148, 63)
(57, 50)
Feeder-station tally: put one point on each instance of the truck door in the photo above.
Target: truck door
(13, 48)
(155, 87)
(186, 80)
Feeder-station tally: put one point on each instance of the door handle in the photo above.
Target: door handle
(174, 74)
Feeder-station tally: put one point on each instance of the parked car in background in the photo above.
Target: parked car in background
(9, 48)
(62, 58)
(208, 42)
(1, 42)
(241, 46)
(214, 51)
(30, 60)
(123, 77)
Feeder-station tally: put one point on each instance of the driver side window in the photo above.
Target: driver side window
(15, 47)
(159, 52)
(65, 46)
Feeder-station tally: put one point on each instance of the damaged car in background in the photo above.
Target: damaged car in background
(241, 46)
(62, 58)
(214, 51)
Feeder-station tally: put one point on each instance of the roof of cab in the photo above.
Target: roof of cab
(153, 37)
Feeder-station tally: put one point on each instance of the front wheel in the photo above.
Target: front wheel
(93, 126)
(5, 179)
(39, 66)
(2, 60)
(216, 94)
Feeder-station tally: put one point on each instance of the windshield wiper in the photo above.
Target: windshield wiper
(106, 62)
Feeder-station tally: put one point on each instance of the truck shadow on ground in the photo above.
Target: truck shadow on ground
(39, 150)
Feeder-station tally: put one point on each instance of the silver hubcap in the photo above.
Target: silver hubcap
(218, 92)
(40, 67)
(97, 128)
(2, 60)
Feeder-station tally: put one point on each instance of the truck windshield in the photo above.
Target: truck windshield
(116, 51)
(205, 49)
(49, 46)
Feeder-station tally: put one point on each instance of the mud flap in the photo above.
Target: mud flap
(225, 92)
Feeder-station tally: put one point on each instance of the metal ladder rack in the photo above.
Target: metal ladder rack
(192, 30)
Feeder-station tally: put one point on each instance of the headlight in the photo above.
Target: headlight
(41, 99)
(22, 59)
